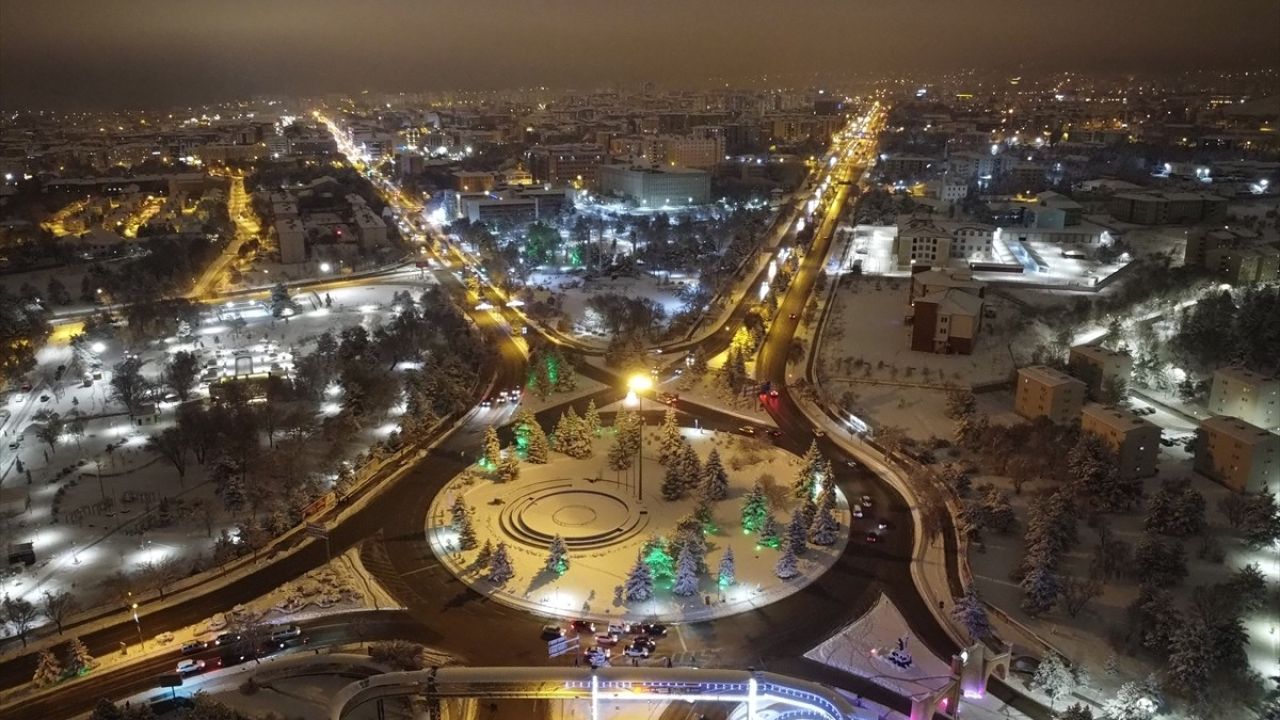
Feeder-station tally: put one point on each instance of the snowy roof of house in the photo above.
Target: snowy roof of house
(1237, 429)
(1117, 419)
(1046, 375)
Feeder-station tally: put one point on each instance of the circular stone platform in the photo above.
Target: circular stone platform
(604, 524)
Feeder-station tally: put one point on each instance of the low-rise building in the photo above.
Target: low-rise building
(1174, 208)
(1248, 395)
(947, 321)
(1239, 455)
(924, 241)
(1095, 365)
(1235, 255)
(1135, 441)
(1045, 392)
(371, 229)
(566, 165)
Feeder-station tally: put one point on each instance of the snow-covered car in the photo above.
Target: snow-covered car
(288, 632)
(189, 667)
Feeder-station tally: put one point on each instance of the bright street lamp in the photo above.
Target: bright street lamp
(637, 384)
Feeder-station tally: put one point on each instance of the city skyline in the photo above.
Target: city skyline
(141, 53)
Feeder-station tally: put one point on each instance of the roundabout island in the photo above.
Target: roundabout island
(629, 523)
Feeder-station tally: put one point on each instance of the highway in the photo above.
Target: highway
(246, 228)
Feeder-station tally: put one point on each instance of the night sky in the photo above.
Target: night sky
(135, 53)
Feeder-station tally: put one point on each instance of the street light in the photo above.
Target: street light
(637, 384)
(138, 624)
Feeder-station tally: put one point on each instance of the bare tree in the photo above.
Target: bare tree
(21, 614)
(161, 573)
(58, 605)
(1076, 593)
(171, 444)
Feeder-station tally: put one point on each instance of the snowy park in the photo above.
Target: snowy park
(571, 525)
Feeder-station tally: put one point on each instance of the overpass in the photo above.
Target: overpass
(756, 690)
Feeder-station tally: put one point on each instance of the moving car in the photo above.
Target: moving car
(583, 626)
(287, 632)
(747, 430)
(645, 641)
(873, 537)
(551, 632)
(606, 640)
(189, 667)
(652, 629)
(636, 650)
(883, 524)
(227, 639)
(866, 500)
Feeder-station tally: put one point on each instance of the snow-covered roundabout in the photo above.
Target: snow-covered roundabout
(706, 528)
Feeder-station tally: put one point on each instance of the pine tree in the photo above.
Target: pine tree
(726, 576)
(458, 513)
(628, 426)
(657, 555)
(533, 437)
(755, 506)
(620, 457)
(48, 671)
(233, 495)
(811, 468)
(509, 467)
(1131, 702)
(670, 441)
(558, 556)
(485, 555)
(639, 584)
(673, 484)
(825, 529)
(702, 512)
(798, 533)
(787, 566)
(592, 418)
(690, 467)
(1075, 711)
(972, 614)
(686, 572)
(715, 481)
(572, 436)
(492, 449)
(770, 531)
(79, 661)
(466, 533)
(500, 569)
(1261, 522)
(1040, 591)
(1191, 662)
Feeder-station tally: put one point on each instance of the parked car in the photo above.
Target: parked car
(194, 647)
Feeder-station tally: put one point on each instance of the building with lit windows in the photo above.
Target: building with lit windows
(924, 241)
(566, 165)
(655, 187)
(1135, 441)
(1238, 455)
(1045, 392)
(1250, 396)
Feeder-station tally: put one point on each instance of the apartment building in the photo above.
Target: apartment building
(1241, 456)
(1045, 392)
(1250, 396)
(1095, 365)
(1135, 440)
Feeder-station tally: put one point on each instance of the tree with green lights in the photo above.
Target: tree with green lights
(715, 481)
(670, 443)
(726, 574)
(755, 508)
(558, 556)
(657, 556)
(592, 418)
(532, 437)
(79, 661)
(492, 448)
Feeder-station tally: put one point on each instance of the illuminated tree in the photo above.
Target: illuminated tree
(755, 508)
(715, 481)
(79, 661)
(48, 671)
(639, 583)
(558, 556)
(492, 448)
(726, 576)
(787, 566)
(500, 569)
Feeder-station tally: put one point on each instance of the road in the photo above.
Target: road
(450, 616)
(246, 228)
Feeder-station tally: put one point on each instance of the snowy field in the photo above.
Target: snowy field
(879, 646)
(114, 524)
(866, 323)
(568, 293)
(579, 498)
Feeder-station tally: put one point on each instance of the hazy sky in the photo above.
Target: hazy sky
(124, 53)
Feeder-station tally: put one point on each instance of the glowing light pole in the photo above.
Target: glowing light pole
(636, 385)
(137, 623)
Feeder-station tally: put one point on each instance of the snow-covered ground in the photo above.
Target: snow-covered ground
(879, 646)
(1086, 639)
(97, 529)
(577, 498)
(569, 293)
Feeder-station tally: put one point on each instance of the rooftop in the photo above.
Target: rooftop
(1117, 419)
(1237, 429)
(1046, 375)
